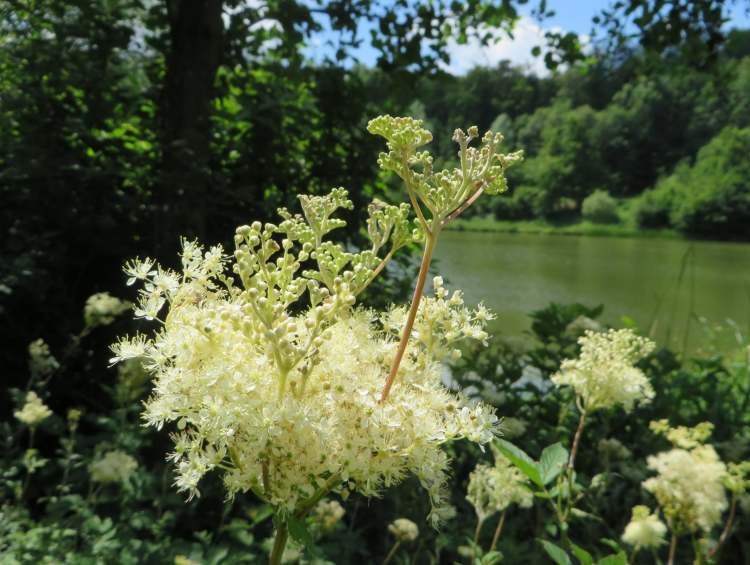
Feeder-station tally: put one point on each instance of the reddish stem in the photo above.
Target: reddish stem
(416, 298)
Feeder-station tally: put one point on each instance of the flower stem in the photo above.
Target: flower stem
(498, 530)
(27, 478)
(672, 550)
(391, 553)
(279, 543)
(576, 441)
(431, 240)
(727, 527)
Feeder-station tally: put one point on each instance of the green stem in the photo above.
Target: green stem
(672, 550)
(727, 527)
(27, 478)
(279, 543)
(576, 440)
(477, 530)
(498, 530)
(376, 272)
(391, 553)
(320, 493)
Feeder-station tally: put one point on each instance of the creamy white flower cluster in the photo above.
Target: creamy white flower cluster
(404, 530)
(34, 411)
(113, 467)
(494, 488)
(645, 530)
(328, 513)
(102, 308)
(274, 377)
(41, 361)
(689, 484)
(604, 374)
(442, 323)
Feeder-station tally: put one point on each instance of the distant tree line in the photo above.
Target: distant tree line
(663, 130)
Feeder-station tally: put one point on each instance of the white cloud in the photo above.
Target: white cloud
(527, 34)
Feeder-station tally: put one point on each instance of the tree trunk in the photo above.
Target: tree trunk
(195, 50)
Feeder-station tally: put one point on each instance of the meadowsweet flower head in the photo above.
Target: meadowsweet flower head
(41, 362)
(689, 484)
(34, 411)
(442, 192)
(404, 530)
(645, 530)
(271, 374)
(102, 309)
(113, 467)
(604, 374)
(328, 513)
(737, 480)
(494, 488)
(683, 436)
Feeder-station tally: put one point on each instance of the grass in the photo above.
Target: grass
(542, 227)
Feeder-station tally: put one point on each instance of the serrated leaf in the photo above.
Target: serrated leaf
(582, 555)
(519, 458)
(616, 559)
(552, 462)
(556, 553)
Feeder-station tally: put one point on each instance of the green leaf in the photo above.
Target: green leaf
(578, 513)
(552, 462)
(582, 555)
(555, 552)
(616, 559)
(519, 458)
(299, 531)
(491, 558)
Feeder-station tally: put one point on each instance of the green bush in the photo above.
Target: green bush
(653, 208)
(711, 197)
(714, 198)
(599, 207)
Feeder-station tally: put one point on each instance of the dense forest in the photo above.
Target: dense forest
(126, 125)
(669, 135)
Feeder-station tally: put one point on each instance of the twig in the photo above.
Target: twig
(468, 202)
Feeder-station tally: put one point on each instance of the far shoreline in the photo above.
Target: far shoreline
(582, 228)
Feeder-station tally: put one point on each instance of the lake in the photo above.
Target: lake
(663, 284)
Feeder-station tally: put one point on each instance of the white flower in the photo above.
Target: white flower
(102, 308)
(139, 270)
(689, 484)
(113, 467)
(284, 400)
(328, 513)
(404, 529)
(34, 411)
(644, 530)
(494, 488)
(41, 361)
(603, 375)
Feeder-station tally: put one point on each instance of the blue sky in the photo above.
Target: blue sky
(569, 15)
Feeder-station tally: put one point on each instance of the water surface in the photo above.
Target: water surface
(663, 284)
